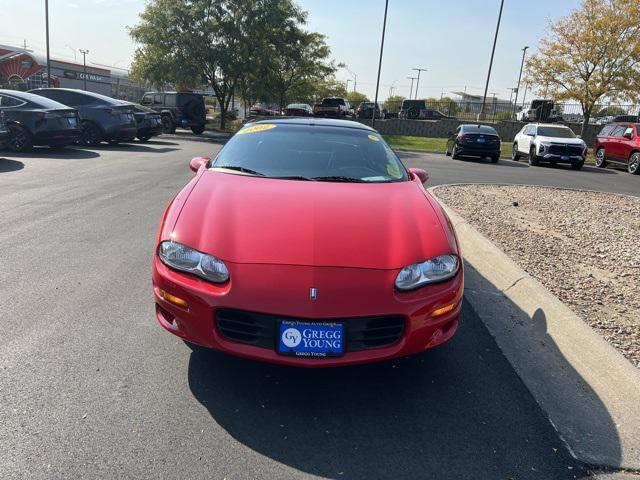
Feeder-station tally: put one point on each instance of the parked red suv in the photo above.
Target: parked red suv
(619, 143)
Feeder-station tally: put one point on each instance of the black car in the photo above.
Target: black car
(298, 110)
(34, 120)
(103, 118)
(4, 133)
(149, 122)
(178, 109)
(365, 110)
(417, 110)
(474, 141)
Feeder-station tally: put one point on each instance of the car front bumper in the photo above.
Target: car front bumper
(282, 291)
(557, 158)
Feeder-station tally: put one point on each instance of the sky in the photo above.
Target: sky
(451, 39)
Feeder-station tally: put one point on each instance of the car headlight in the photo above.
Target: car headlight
(434, 270)
(186, 259)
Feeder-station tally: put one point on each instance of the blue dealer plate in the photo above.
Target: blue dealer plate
(565, 157)
(303, 339)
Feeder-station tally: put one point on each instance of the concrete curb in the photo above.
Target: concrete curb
(588, 390)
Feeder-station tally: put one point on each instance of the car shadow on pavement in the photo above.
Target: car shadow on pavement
(7, 165)
(157, 142)
(133, 147)
(69, 153)
(503, 162)
(456, 412)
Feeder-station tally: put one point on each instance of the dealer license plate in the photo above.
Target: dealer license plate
(302, 339)
(481, 140)
(565, 157)
(72, 121)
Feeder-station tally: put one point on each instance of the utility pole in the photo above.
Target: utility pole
(418, 78)
(411, 89)
(348, 80)
(46, 16)
(493, 51)
(84, 61)
(524, 51)
(384, 28)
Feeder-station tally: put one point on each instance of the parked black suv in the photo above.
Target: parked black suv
(178, 109)
(417, 109)
(103, 118)
(33, 120)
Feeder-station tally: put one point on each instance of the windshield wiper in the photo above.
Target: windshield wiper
(338, 178)
(240, 169)
(294, 177)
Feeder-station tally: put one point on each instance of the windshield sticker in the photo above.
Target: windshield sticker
(393, 170)
(257, 128)
(373, 137)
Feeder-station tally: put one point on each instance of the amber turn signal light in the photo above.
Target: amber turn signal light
(173, 299)
(443, 310)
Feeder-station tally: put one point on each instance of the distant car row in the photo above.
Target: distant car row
(617, 143)
(57, 117)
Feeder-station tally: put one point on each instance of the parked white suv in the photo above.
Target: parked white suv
(544, 142)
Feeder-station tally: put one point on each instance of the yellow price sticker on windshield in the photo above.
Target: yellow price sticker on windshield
(261, 127)
(393, 170)
(373, 137)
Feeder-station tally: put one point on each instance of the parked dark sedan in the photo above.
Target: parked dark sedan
(298, 110)
(103, 118)
(34, 120)
(474, 141)
(149, 122)
(4, 133)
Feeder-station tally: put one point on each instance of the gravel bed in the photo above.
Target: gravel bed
(582, 246)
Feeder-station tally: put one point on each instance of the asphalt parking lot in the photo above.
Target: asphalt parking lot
(91, 387)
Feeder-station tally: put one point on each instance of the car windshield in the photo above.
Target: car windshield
(558, 132)
(303, 152)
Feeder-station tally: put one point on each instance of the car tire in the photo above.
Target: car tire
(168, 125)
(114, 142)
(19, 139)
(495, 159)
(601, 158)
(454, 153)
(91, 134)
(634, 163)
(515, 154)
(197, 130)
(577, 165)
(534, 161)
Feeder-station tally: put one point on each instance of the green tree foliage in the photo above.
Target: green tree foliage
(592, 53)
(255, 48)
(393, 103)
(356, 98)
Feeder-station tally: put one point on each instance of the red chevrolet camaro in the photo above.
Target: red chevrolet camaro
(307, 242)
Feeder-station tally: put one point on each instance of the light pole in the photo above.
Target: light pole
(46, 16)
(348, 80)
(493, 51)
(418, 78)
(384, 28)
(84, 61)
(411, 89)
(524, 52)
(355, 77)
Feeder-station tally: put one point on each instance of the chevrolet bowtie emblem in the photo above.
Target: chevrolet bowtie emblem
(313, 293)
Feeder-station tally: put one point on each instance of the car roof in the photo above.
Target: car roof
(321, 122)
(32, 97)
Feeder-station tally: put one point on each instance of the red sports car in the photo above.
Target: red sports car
(307, 242)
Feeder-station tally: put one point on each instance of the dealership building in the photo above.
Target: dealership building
(23, 69)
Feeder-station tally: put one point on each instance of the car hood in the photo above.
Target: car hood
(563, 141)
(246, 219)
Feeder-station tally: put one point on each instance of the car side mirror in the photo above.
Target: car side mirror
(578, 136)
(628, 135)
(197, 162)
(419, 173)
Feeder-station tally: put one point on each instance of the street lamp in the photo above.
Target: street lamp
(46, 17)
(384, 28)
(355, 77)
(493, 51)
(418, 78)
(524, 51)
(411, 89)
(84, 61)
(348, 80)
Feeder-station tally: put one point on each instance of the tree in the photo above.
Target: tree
(356, 98)
(592, 53)
(393, 103)
(211, 43)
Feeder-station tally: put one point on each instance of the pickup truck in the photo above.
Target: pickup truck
(334, 107)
